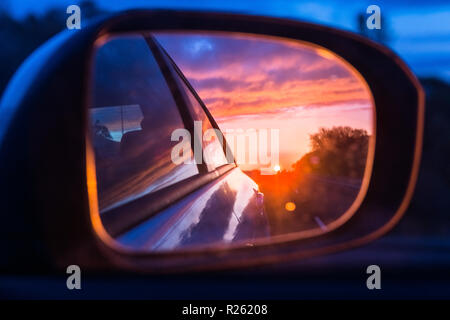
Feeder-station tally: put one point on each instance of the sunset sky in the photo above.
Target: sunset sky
(265, 83)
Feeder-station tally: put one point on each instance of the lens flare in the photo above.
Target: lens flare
(289, 206)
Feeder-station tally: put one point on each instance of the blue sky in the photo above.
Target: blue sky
(419, 30)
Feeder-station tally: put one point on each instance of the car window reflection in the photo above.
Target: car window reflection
(132, 117)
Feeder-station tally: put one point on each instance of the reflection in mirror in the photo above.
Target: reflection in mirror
(212, 139)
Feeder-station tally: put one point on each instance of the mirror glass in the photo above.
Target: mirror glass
(212, 139)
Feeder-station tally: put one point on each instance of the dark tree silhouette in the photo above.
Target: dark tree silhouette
(339, 151)
(21, 37)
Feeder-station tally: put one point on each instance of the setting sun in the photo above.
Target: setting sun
(277, 168)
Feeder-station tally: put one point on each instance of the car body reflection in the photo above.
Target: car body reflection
(221, 212)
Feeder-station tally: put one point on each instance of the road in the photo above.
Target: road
(318, 201)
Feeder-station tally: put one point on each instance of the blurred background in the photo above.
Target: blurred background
(418, 31)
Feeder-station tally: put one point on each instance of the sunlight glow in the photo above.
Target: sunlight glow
(289, 206)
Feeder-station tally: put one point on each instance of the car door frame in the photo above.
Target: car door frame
(119, 219)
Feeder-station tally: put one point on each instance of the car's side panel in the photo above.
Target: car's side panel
(226, 210)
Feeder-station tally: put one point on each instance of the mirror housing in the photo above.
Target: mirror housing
(53, 223)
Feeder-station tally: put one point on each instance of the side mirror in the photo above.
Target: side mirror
(160, 140)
